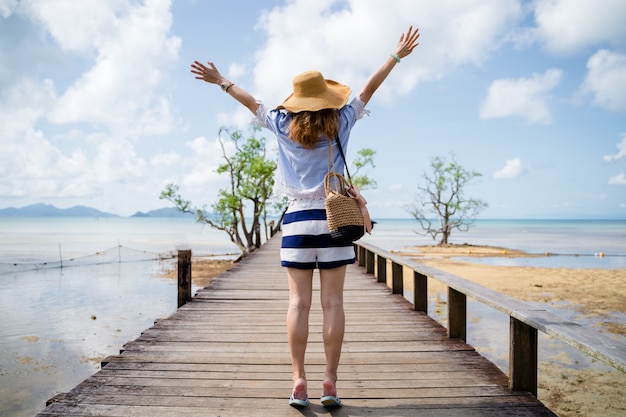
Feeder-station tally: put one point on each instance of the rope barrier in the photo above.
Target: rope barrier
(117, 254)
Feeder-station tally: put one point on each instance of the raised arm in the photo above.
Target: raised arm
(210, 74)
(405, 46)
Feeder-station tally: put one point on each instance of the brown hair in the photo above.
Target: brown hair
(307, 127)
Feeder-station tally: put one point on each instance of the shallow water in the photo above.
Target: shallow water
(60, 323)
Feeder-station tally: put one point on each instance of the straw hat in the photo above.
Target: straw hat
(311, 92)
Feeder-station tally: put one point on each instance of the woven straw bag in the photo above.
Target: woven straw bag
(343, 214)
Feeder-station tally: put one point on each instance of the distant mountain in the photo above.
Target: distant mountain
(47, 210)
(163, 212)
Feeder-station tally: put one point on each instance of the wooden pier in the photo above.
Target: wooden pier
(225, 353)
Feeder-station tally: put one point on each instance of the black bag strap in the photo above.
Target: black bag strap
(343, 157)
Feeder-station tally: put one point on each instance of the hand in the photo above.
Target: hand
(407, 43)
(355, 193)
(209, 73)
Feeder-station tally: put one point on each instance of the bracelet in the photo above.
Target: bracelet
(396, 57)
(226, 87)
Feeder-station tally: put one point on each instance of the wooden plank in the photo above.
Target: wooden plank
(225, 353)
(229, 408)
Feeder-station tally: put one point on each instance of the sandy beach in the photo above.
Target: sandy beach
(597, 391)
(595, 293)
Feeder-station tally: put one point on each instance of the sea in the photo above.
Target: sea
(74, 290)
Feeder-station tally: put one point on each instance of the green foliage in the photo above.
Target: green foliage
(443, 198)
(241, 206)
(364, 159)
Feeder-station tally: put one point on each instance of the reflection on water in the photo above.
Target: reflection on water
(58, 324)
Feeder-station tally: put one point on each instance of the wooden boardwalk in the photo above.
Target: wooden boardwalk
(226, 354)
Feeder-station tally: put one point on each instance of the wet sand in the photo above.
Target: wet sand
(202, 271)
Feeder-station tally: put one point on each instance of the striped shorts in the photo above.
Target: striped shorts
(306, 242)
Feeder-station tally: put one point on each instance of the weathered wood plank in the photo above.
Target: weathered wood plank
(213, 402)
(250, 407)
(357, 372)
(225, 353)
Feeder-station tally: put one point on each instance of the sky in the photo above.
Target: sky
(98, 106)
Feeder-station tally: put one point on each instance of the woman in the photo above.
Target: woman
(306, 124)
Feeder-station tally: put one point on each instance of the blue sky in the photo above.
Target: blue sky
(98, 107)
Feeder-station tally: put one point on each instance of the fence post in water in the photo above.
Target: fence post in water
(184, 277)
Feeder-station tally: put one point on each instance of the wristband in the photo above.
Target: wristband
(396, 57)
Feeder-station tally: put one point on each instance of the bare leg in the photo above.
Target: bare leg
(300, 295)
(332, 281)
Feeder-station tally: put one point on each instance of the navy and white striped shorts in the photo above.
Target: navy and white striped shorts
(306, 242)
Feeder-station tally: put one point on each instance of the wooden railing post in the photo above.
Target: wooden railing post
(457, 314)
(369, 261)
(184, 277)
(522, 357)
(361, 255)
(420, 292)
(397, 280)
(381, 275)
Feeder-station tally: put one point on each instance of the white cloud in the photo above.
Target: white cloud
(569, 25)
(619, 179)
(207, 157)
(236, 70)
(339, 40)
(77, 143)
(524, 97)
(621, 152)
(30, 164)
(7, 7)
(75, 26)
(513, 168)
(123, 90)
(164, 160)
(606, 80)
(117, 161)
